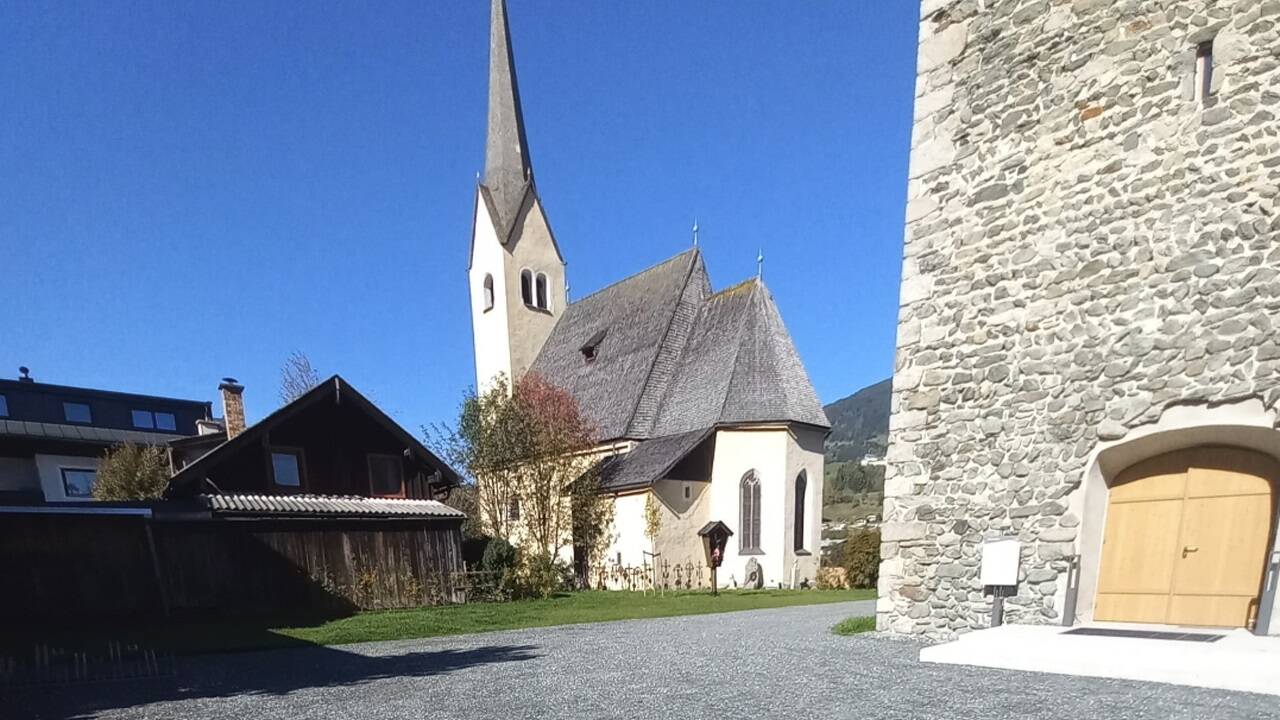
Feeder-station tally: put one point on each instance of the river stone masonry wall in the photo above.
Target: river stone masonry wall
(1087, 244)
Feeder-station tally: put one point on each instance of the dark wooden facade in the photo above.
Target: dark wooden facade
(88, 566)
(335, 431)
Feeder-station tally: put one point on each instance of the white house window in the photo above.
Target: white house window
(802, 485)
(526, 286)
(386, 475)
(286, 468)
(78, 482)
(541, 286)
(76, 412)
(488, 292)
(749, 502)
(4, 407)
(1204, 71)
(513, 510)
(166, 421)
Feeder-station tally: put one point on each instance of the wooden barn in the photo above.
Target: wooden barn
(325, 506)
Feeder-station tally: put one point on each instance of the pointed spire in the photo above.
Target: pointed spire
(760, 264)
(506, 156)
(695, 231)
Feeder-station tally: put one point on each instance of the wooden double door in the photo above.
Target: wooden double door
(1187, 538)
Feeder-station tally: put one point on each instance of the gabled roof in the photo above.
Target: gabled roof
(648, 462)
(335, 389)
(740, 366)
(675, 358)
(637, 314)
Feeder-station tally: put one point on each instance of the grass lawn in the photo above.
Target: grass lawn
(564, 609)
(855, 626)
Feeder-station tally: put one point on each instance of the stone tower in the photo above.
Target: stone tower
(516, 273)
(1089, 283)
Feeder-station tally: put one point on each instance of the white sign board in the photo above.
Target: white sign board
(1000, 562)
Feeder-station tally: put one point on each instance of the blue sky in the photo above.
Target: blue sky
(193, 190)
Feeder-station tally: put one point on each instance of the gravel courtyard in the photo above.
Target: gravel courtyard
(760, 664)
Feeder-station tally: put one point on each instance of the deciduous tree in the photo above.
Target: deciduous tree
(524, 447)
(297, 377)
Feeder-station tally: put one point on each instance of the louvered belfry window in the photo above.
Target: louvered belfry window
(750, 504)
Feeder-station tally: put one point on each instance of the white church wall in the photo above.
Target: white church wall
(488, 327)
(681, 519)
(765, 451)
(805, 453)
(629, 543)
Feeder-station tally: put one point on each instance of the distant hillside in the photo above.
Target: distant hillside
(860, 423)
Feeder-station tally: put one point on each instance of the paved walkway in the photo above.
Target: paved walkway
(760, 664)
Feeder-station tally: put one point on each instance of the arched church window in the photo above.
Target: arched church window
(802, 484)
(541, 292)
(488, 292)
(749, 503)
(526, 286)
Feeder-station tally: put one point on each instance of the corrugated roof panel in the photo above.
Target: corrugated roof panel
(327, 505)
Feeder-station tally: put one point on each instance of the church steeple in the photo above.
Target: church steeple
(516, 272)
(507, 170)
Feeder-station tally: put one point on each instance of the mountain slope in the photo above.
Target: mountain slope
(860, 423)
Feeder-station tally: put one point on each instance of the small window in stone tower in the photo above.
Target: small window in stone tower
(1204, 71)
(526, 286)
(541, 286)
(488, 293)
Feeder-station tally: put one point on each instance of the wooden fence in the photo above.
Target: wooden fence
(82, 567)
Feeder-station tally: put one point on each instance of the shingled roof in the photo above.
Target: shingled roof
(675, 358)
(648, 462)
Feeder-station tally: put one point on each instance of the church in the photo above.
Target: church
(699, 398)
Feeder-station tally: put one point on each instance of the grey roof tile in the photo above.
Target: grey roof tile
(676, 358)
(649, 461)
(637, 313)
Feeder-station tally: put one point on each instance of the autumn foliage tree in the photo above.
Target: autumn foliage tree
(523, 448)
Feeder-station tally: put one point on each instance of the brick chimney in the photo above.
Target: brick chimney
(232, 406)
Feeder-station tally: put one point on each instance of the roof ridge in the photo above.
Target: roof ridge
(666, 333)
(633, 276)
(737, 353)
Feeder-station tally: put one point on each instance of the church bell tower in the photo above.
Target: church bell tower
(516, 273)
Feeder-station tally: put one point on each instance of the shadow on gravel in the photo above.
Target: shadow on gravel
(274, 672)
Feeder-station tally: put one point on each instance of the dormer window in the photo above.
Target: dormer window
(526, 286)
(76, 412)
(592, 347)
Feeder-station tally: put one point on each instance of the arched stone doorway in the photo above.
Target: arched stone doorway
(1186, 538)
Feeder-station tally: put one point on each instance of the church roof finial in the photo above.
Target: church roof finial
(695, 231)
(760, 264)
(506, 156)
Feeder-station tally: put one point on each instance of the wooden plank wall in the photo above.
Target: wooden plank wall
(77, 567)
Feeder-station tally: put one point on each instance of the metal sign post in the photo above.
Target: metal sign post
(999, 572)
